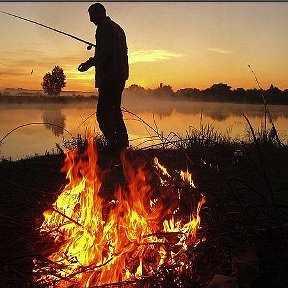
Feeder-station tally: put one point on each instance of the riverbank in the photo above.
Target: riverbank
(46, 99)
(243, 220)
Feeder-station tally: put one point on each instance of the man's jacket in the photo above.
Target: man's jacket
(111, 59)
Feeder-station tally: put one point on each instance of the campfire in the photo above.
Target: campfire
(150, 223)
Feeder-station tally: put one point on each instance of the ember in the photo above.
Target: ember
(143, 229)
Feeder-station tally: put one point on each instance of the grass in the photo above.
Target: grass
(246, 192)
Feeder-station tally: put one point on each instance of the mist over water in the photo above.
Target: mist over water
(161, 114)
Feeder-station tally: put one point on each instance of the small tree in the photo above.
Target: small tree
(53, 82)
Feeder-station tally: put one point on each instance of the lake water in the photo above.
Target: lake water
(163, 115)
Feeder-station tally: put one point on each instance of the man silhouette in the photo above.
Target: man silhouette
(112, 71)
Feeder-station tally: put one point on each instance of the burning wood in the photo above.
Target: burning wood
(144, 230)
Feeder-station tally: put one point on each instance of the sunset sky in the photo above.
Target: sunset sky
(186, 44)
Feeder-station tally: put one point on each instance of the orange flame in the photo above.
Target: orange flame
(126, 244)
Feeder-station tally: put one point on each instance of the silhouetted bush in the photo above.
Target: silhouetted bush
(54, 82)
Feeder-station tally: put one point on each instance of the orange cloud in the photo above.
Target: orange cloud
(221, 51)
(151, 56)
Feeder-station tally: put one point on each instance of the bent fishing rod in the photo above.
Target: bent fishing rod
(89, 47)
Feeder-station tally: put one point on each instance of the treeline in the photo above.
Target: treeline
(216, 93)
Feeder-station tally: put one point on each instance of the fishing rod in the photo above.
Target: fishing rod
(89, 47)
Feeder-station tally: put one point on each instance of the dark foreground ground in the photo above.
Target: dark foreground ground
(244, 218)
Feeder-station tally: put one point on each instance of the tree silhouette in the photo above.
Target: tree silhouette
(273, 90)
(53, 82)
(163, 90)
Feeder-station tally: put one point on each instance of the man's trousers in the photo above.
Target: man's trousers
(109, 116)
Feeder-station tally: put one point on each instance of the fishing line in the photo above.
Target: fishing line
(89, 47)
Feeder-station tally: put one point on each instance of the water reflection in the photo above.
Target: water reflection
(215, 111)
(55, 121)
(164, 116)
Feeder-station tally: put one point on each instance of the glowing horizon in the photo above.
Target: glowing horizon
(206, 43)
